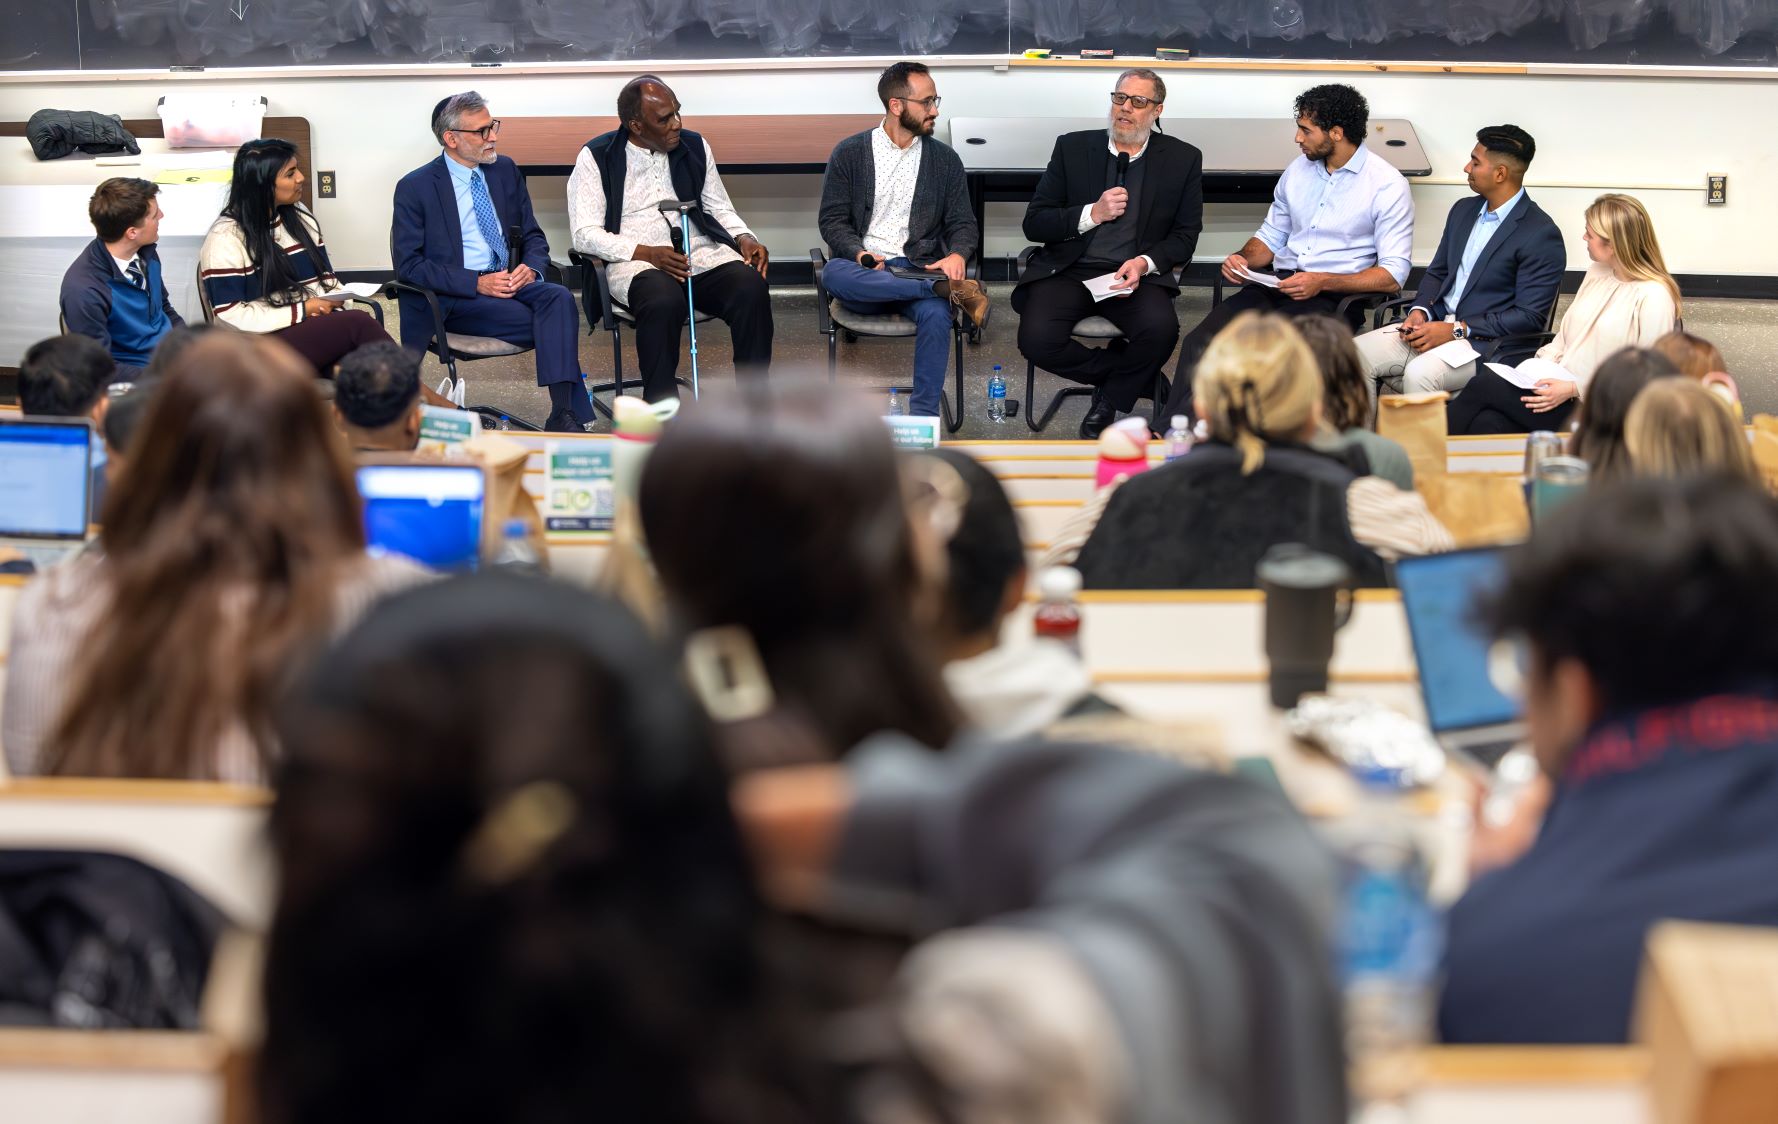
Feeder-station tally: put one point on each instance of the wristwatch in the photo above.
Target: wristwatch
(1460, 331)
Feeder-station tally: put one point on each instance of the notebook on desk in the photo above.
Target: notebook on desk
(1470, 715)
(432, 513)
(46, 480)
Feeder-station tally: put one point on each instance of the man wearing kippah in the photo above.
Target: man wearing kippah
(1495, 274)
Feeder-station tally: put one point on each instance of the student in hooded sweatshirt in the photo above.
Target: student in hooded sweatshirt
(1649, 621)
(114, 292)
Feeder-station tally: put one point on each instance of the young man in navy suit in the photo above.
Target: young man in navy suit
(456, 220)
(114, 292)
(1495, 274)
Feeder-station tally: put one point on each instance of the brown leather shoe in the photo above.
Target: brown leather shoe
(971, 299)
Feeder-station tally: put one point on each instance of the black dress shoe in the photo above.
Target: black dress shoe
(562, 421)
(1099, 415)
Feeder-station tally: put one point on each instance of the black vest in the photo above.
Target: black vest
(1114, 243)
(1198, 523)
(685, 164)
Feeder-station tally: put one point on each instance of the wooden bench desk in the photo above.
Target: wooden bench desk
(743, 143)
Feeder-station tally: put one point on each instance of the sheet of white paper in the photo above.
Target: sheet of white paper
(1455, 353)
(355, 289)
(1100, 286)
(1532, 371)
(1270, 281)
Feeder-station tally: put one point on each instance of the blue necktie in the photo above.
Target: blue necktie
(486, 219)
(137, 277)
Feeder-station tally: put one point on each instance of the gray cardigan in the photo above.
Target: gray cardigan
(940, 223)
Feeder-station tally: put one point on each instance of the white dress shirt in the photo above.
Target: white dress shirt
(646, 182)
(1086, 222)
(123, 265)
(897, 171)
(1343, 221)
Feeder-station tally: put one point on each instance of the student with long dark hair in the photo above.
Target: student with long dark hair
(264, 266)
(233, 546)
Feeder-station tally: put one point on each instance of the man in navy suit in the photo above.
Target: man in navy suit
(457, 222)
(1495, 274)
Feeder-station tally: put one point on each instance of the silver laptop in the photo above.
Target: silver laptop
(46, 486)
(1470, 715)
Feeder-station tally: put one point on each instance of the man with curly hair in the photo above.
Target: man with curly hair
(1341, 222)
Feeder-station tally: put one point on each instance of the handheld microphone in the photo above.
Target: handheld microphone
(678, 238)
(515, 247)
(1123, 167)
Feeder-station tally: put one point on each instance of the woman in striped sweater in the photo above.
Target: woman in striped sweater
(264, 267)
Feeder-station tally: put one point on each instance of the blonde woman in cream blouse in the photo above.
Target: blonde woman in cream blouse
(1627, 300)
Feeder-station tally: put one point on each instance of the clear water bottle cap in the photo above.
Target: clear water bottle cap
(515, 529)
(1058, 583)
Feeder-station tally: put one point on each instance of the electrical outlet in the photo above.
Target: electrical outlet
(1716, 191)
(326, 185)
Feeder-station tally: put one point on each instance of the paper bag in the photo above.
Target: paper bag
(1416, 422)
(1765, 448)
(1478, 508)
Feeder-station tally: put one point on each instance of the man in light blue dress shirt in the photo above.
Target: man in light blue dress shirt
(1341, 222)
(1508, 258)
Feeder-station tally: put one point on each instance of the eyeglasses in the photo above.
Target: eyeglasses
(484, 132)
(930, 103)
(1137, 101)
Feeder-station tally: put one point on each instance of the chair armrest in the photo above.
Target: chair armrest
(1518, 341)
(376, 309)
(823, 316)
(1364, 301)
(392, 288)
(1382, 313)
(595, 289)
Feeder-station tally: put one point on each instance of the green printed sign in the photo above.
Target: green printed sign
(445, 431)
(913, 432)
(578, 493)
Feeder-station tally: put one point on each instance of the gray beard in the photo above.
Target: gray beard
(1127, 136)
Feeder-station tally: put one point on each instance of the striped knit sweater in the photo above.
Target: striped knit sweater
(231, 283)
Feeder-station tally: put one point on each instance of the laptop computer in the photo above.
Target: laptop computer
(1471, 716)
(432, 513)
(46, 484)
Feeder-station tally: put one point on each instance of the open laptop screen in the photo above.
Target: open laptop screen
(1438, 594)
(431, 513)
(44, 477)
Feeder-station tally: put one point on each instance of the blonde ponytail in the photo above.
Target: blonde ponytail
(1257, 383)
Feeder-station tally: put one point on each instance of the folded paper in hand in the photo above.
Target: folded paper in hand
(363, 290)
(1100, 287)
(1269, 280)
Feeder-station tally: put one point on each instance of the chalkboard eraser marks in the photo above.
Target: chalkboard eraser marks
(1172, 54)
(1038, 53)
(186, 69)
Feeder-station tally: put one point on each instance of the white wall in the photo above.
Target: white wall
(1655, 137)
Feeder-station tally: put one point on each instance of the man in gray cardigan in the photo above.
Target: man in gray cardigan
(894, 205)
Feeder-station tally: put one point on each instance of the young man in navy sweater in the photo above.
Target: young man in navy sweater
(114, 292)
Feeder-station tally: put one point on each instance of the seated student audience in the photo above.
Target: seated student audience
(232, 545)
(1599, 426)
(1495, 274)
(1679, 427)
(1346, 402)
(1204, 520)
(1627, 300)
(1118, 937)
(114, 292)
(264, 266)
(123, 419)
(1693, 356)
(378, 406)
(779, 523)
(65, 377)
(172, 346)
(1006, 687)
(1650, 622)
(376, 397)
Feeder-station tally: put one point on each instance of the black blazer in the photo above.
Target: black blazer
(1514, 282)
(1170, 218)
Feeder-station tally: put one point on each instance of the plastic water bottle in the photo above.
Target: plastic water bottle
(1058, 612)
(996, 396)
(1179, 438)
(1389, 941)
(896, 409)
(516, 554)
